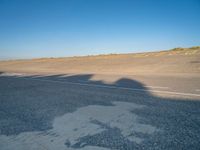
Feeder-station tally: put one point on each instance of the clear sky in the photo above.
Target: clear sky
(54, 28)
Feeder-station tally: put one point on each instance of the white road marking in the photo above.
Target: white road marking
(198, 90)
(11, 74)
(116, 87)
(83, 81)
(157, 87)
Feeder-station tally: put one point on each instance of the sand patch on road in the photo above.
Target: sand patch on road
(70, 130)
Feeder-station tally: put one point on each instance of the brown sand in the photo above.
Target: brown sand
(176, 61)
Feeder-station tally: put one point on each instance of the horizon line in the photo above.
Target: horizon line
(93, 55)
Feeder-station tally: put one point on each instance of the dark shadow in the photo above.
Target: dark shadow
(28, 105)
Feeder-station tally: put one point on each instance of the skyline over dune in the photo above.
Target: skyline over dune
(32, 29)
(139, 53)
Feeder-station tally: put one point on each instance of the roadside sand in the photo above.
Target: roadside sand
(176, 61)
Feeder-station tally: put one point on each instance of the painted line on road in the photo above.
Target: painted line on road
(198, 90)
(157, 87)
(116, 87)
(84, 81)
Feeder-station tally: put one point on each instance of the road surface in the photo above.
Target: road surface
(97, 112)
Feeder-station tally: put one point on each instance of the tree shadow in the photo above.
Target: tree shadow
(31, 103)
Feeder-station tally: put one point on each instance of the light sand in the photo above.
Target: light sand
(178, 61)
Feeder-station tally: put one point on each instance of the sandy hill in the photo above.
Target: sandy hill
(175, 61)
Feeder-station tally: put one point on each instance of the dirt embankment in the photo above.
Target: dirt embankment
(176, 61)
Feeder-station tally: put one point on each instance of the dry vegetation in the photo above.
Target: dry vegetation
(175, 61)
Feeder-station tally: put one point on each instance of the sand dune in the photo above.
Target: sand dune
(175, 61)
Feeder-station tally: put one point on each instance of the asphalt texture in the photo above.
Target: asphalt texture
(75, 112)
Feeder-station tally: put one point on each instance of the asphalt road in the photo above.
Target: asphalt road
(83, 112)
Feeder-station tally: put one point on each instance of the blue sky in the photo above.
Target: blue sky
(55, 28)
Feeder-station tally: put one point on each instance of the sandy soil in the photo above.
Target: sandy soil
(176, 61)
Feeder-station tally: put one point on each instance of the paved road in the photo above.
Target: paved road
(83, 112)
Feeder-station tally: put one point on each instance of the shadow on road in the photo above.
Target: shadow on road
(27, 105)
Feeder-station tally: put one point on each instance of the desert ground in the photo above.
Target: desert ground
(117, 101)
(176, 61)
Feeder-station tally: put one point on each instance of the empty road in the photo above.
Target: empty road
(97, 112)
